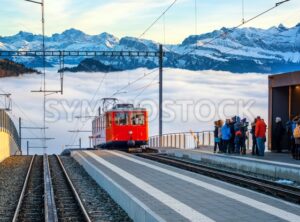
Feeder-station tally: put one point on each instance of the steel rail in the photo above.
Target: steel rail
(49, 201)
(16, 214)
(286, 192)
(82, 208)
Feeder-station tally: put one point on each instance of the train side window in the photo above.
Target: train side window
(104, 122)
(137, 119)
(108, 120)
(101, 123)
(121, 118)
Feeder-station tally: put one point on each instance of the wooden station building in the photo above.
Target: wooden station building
(284, 101)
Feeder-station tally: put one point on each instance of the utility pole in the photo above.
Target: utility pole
(33, 147)
(74, 145)
(20, 134)
(160, 94)
(43, 90)
(44, 68)
(78, 131)
(31, 128)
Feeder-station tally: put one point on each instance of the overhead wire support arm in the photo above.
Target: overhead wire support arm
(279, 3)
(29, 127)
(36, 2)
(84, 117)
(31, 53)
(36, 138)
(79, 131)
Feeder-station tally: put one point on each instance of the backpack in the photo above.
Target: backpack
(238, 133)
(297, 132)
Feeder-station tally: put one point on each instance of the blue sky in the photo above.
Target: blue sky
(131, 17)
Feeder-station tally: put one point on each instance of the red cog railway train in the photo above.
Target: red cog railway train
(121, 127)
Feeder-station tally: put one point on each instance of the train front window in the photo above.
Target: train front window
(121, 119)
(137, 119)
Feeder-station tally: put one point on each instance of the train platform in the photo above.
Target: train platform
(275, 165)
(150, 191)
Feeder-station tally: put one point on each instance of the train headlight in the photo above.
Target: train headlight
(130, 132)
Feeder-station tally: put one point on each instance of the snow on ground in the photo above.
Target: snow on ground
(193, 100)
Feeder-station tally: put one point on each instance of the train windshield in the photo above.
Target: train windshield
(121, 118)
(137, 119)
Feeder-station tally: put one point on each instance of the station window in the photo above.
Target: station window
(137, 119)
(121, 118)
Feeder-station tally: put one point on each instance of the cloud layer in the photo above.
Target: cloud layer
(193, 100)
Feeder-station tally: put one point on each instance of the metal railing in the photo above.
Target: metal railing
(183, 140)
(190, 140)
(8, 126)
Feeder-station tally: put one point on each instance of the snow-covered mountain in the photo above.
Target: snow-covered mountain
(272, 50)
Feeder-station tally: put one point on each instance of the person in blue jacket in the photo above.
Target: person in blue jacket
(226, 135)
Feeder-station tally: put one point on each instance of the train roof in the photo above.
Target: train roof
(126, 107)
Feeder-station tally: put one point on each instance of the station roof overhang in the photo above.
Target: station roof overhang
(285, 79)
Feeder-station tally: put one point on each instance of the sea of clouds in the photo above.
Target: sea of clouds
(193, 100)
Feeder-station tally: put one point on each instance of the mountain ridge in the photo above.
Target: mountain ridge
(272, 50)
(9, 69)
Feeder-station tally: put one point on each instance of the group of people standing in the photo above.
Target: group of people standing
(230, 137)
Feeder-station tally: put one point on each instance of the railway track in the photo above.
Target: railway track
(34, 205)
(31, 202)
(68, 204)
(47, 194)
(272, 188)
(13, 171)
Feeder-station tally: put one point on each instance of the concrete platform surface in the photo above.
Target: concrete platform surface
(283, 157)
(150, 191)
(263, 166)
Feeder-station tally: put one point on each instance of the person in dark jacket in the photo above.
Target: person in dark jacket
(278, 134)
(226, 135)
(254, 143)
(244, 130)
(237, 135)
(231, 145)
(217, 136)
(290, 127)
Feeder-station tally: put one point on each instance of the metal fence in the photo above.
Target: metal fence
(8, 126)
(190, 140)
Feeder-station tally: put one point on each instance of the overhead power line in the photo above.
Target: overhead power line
(91, 101)
(224, 34)
(133, 82)
(157, 19)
